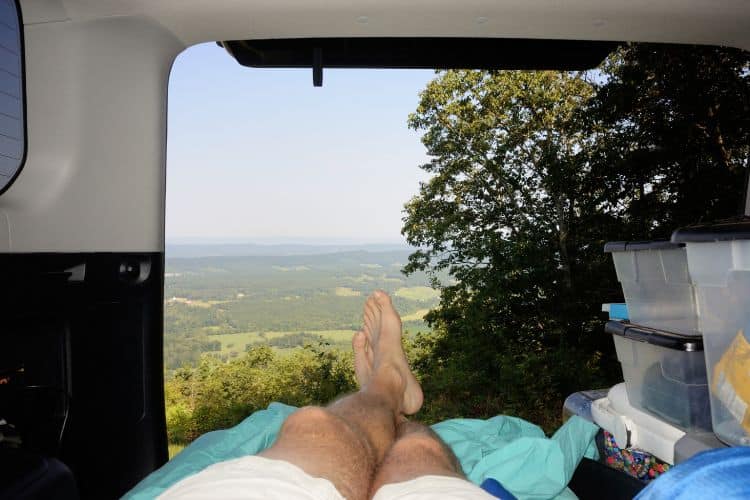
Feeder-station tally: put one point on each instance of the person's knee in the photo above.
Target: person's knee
(314, 413)
(415, 455)
(322, 427)
(418, 442)
(312, 418)
(423, 446)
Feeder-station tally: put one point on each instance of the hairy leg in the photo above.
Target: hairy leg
(345, 441)
(417, 452)
(342, 443)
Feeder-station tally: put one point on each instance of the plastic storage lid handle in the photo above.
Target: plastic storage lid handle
(737, 228)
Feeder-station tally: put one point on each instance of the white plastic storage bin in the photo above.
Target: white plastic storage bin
(634, 428)
(719, 263)
(656, 284)
(665, 374)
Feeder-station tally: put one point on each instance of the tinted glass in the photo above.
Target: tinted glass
(12, 139)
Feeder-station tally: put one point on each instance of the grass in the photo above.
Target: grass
(362, 278)
(420, 293)
(415, 316)
(392, 280)
(285, 269)
(174, 449)
(342, 291)
(193, 303)
(238, 341)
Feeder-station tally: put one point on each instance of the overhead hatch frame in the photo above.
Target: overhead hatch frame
(419, 53)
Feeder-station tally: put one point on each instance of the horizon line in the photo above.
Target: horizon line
(280, 241)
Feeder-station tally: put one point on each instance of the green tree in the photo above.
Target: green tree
(672, 129)
(216, 394)
(531, 173)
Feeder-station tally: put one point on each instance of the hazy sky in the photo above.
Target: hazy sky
(261, 155)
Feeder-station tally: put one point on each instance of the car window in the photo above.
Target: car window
(12, 108)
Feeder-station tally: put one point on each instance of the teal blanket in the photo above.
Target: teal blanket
(508, 449)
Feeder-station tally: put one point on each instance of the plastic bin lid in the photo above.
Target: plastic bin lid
(634, 246)
(737, 228)
(652, 336)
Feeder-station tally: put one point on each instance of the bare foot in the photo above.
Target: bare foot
(382, 332)
(362, 358)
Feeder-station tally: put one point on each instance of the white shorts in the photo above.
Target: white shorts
(255, 477)
(432, 488)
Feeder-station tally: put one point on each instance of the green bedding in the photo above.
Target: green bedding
(508, 449)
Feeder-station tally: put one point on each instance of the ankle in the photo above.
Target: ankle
(389, 383)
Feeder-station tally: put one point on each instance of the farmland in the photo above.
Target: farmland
(220, 306)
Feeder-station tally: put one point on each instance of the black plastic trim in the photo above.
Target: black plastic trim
(737, 228)
(594, 480)
(633, 246)
(655, 337)
(425, 52)
(109, 308)
(23, 101)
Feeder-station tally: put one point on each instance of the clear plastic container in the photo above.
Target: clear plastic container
(719, 263)
(665, 374)
(656, 284)
(634, 428)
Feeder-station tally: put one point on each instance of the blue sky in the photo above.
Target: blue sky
(260, 155)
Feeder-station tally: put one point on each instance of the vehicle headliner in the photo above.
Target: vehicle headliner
(718, 22)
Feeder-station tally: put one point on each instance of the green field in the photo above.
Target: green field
(219, 305)
(343, 291)
(419, 293)
(236, 342)
(416, 316)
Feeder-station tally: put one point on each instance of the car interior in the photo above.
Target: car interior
(83, 133)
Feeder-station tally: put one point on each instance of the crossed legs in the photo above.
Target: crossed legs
(363, 441)
(417, 452)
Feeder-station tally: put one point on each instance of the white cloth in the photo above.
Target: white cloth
(254, 477)
(432, 488)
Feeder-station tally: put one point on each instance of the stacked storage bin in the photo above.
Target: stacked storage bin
(719, 262)
(685, 354)
(656, 284)
(661, 350)
(665, 375)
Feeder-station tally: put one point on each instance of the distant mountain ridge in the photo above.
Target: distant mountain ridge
(193, 250)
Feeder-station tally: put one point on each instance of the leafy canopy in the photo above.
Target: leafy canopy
(531, 173)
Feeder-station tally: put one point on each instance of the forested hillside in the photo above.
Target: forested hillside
(223, 305)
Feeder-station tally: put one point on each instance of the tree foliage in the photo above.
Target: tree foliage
(531, 172)
(672, 128)
(216, 395)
